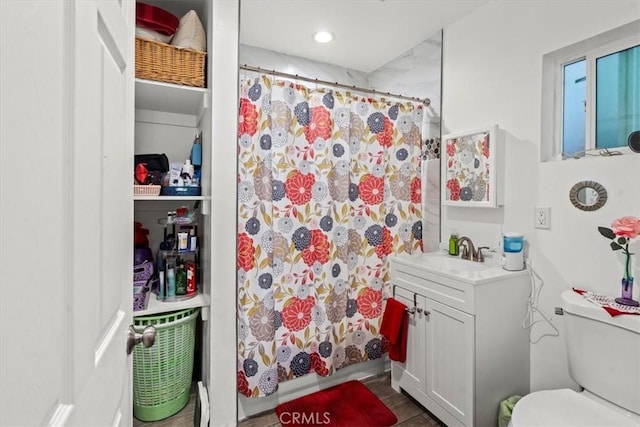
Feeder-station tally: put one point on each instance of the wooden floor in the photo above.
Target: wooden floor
(183, 418)
(408, 412)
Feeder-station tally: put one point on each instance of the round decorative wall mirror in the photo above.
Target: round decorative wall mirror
(588, 195)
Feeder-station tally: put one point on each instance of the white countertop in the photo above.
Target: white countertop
(443, 264)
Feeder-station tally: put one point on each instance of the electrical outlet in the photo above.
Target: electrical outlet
(543, 218)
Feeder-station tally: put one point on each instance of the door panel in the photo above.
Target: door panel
(67, 211)
(101, 159)
(450, 348)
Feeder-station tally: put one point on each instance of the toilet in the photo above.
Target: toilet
(604, 359)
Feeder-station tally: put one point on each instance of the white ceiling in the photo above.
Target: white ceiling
(369, 33)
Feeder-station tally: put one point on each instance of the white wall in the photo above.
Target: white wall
(271, 60)
(492, 69)
(417, 73)
(221, 353)
(34, 265)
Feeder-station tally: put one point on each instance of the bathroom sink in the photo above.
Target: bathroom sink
(442, 264)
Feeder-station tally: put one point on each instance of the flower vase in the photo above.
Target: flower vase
(627, 293)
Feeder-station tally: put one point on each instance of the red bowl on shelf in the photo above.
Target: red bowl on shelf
(155, 18)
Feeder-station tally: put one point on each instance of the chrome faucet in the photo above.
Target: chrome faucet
(469, 251)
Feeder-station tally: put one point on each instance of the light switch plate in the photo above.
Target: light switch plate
(543, 218)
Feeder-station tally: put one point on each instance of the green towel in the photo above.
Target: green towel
(506, 409)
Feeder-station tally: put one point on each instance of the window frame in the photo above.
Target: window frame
(553, 63)
(590, 98)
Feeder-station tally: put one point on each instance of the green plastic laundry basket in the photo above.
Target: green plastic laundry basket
(162, 372)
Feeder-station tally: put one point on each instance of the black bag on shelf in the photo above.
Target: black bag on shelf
(153, 162)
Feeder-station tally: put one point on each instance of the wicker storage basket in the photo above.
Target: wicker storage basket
(166, 63)
(146, 190)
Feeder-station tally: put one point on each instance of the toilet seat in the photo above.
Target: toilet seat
(565, 407)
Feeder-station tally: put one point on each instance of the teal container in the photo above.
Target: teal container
(513, 242)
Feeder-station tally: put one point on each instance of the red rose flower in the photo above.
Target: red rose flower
(370, 303)
(371, 189)
(243, 384)
(454, 189)
(248, 118)
(386, 246)
(297, 315)
(385, 138)
(298, 187)
(318, 249)
(319, 125)
(416, 192)
(246, 252)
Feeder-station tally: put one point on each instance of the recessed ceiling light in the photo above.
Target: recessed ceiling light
(323, 36)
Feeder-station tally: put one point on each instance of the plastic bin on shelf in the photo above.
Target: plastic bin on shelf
(162, 372)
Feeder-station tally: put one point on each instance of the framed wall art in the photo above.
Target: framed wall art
(469, 175)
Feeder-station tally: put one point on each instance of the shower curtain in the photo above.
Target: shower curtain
(328, 188)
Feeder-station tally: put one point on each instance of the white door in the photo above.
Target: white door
(450, 359)
(67, 212)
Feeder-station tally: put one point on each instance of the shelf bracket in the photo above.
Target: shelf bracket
(204, 106)
(204, 313)
(205, 207)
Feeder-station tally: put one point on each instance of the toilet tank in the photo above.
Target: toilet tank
(603, 351)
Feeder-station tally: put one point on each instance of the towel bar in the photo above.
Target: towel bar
(415, 300)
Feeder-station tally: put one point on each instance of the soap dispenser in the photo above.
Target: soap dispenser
(453, 243)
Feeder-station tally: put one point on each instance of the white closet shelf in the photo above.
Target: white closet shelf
(172, 198)
(155, 306)
(170, 98)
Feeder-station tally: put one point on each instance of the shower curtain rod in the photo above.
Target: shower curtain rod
(425, 101)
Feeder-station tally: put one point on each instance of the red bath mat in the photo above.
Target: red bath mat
(345, 405)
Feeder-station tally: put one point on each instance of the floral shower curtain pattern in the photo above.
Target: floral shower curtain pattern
(328, 188)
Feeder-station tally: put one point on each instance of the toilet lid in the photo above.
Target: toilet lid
(565, 408)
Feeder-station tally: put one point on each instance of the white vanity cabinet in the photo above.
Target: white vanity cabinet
(466, 348)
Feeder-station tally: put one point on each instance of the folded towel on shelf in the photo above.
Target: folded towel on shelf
(395, 326)
(608, 303)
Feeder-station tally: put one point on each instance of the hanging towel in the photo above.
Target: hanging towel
(395, 326)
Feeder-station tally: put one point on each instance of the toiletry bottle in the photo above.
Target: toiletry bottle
(183, 241)
(193, 240)
(171, 281)
(191, 277)
(196, 155)
(161, 281)
(187, 169)
(181, 280)
(453, 243)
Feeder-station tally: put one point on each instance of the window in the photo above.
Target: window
(617, 97)
(591, 95)
(574, 107)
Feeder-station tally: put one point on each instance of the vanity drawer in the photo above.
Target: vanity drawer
(447, 291)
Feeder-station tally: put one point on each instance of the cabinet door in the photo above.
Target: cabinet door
(450, 359)
(414, 368)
